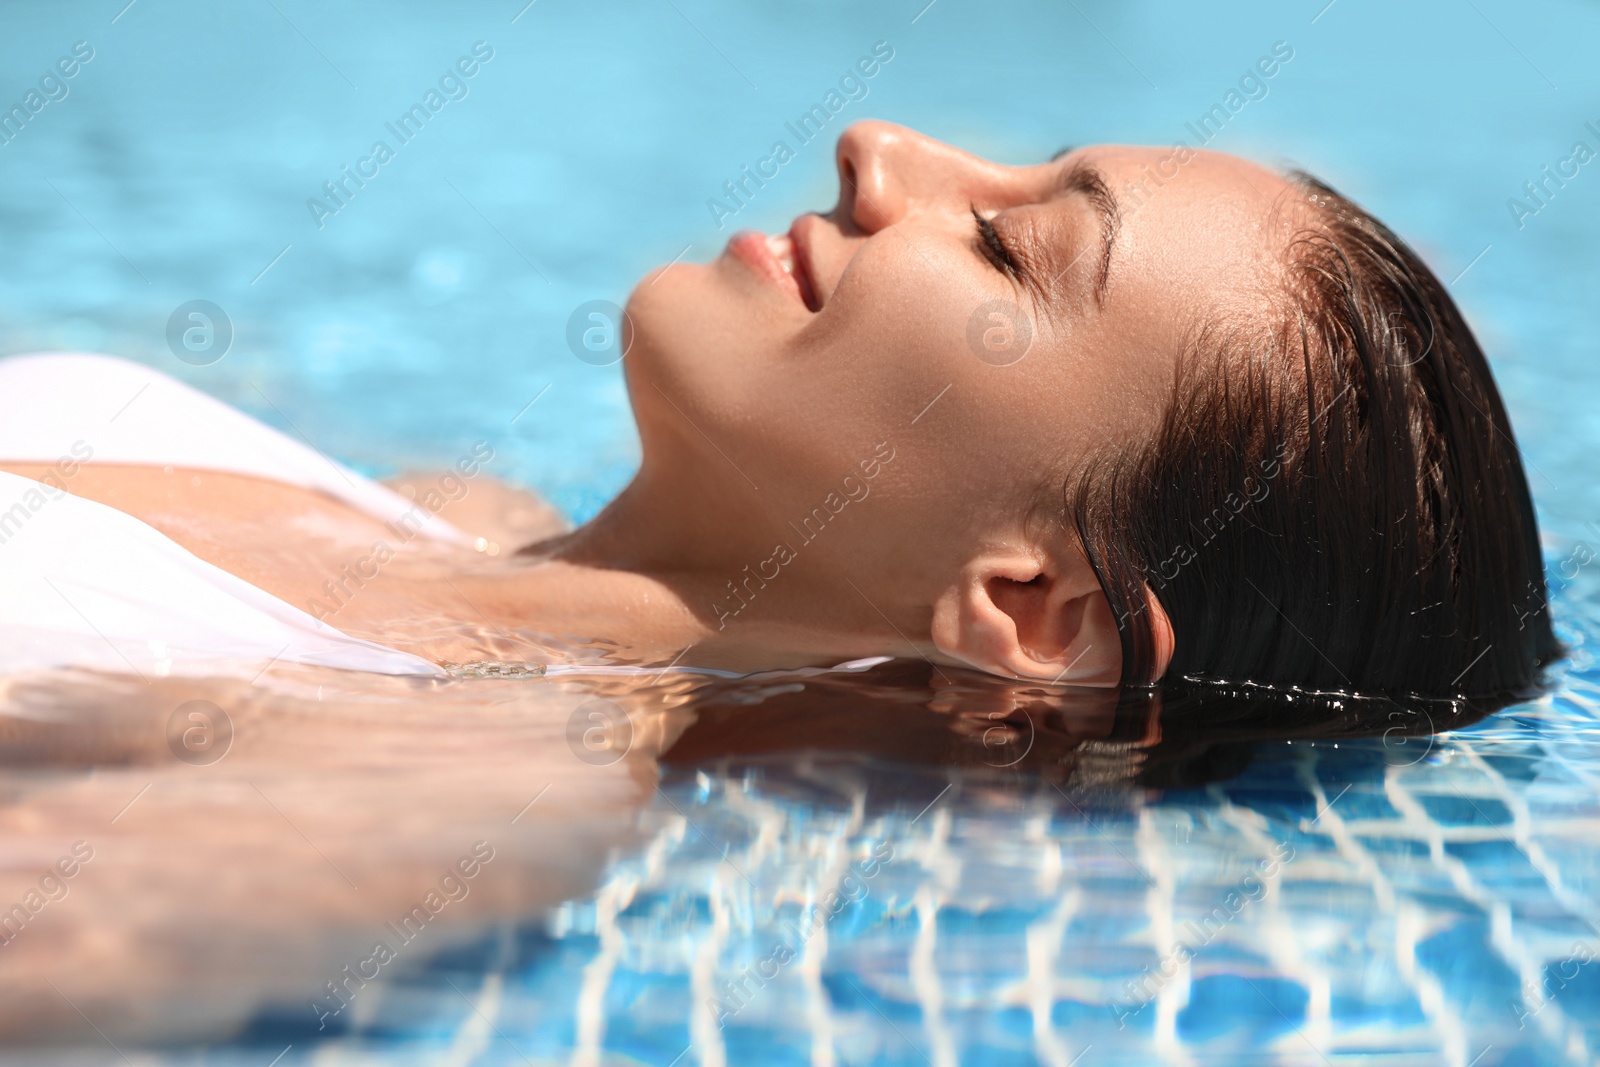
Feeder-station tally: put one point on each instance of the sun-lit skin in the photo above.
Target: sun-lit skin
(753, 407)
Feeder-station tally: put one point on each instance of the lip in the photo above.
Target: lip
(755, 250)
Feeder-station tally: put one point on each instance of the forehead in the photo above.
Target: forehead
(1197, 230)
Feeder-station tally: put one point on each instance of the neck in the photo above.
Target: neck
(662, 576)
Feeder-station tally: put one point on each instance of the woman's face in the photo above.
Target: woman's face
(988, 358)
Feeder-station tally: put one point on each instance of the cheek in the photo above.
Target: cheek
(895, 324)
(867, 373)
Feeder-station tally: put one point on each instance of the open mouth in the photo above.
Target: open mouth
(781, 260)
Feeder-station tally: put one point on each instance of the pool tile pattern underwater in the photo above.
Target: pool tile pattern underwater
(1411, 902)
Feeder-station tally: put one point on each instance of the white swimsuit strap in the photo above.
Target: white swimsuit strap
(101, 409)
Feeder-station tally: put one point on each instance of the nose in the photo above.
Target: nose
(885, 170)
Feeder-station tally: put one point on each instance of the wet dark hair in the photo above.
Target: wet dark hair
(1334, 505)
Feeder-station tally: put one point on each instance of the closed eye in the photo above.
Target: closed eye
(994, 249)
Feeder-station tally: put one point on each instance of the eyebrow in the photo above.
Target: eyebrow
(1087, 179)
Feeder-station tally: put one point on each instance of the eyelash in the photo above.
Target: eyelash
(993, 248)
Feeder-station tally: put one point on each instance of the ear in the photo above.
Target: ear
(1022, 615)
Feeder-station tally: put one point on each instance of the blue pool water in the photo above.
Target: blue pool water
(1389, 901)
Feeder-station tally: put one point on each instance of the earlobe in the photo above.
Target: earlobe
(1162, 639)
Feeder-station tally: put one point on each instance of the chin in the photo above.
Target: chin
(658, 308)
(680, 351)
(689, 331)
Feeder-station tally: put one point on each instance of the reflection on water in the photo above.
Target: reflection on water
(1090, 740)
(306, 860)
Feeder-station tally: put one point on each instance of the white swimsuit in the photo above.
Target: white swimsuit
(85, 585)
